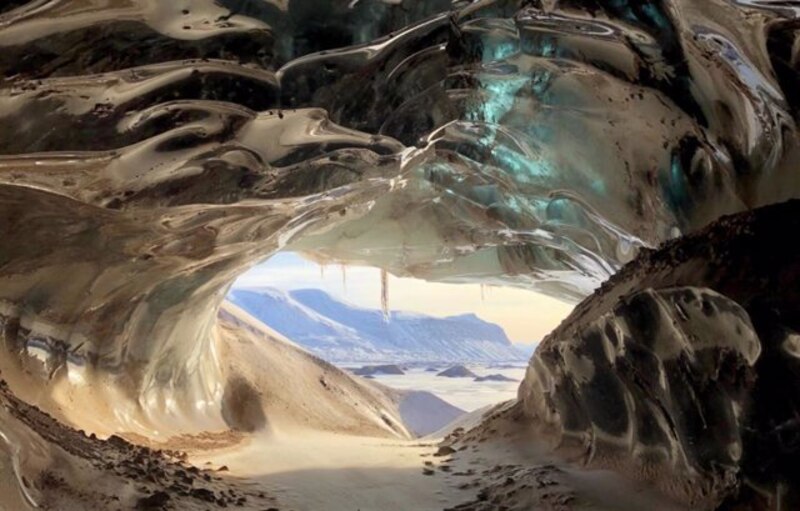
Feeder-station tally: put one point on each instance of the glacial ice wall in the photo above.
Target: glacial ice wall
(682, 369)
(153, 150)
(661, 380)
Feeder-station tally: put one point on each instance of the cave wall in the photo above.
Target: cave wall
(682, 369)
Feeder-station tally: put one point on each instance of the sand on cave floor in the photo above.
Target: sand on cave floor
(496, 465)
(311, 471)
(315, 471)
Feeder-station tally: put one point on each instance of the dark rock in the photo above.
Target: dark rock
(203, 494)
(157, 500)
(494, 377)
(241, 406)
(379, 369)
(445, 450)
(457, 371)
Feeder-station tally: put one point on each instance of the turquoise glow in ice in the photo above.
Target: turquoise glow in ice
(499, 94)
(524, 167)
(599, 186)
(499, 50)
(656, 16)
(541, 46)
(674, 187)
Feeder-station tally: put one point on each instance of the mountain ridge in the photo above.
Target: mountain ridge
(343, 332)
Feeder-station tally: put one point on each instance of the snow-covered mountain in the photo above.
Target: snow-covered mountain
(339, 331)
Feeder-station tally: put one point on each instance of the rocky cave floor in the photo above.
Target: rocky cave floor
(125, 475)
(491, 466)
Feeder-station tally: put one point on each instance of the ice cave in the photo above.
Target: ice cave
(638, 159)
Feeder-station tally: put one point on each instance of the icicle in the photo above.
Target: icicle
(483, 291)
(322, 271)
(385, 294)
(344, 278)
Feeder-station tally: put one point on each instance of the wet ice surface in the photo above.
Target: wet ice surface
(178, 145)
(464, 393)
(153, 151)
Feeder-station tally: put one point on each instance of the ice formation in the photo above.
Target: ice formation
(681, 369)
(152, 151)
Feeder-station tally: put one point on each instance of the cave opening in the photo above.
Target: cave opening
(466, 343)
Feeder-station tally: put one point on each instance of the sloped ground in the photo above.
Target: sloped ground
(502, 464)
(79, 471)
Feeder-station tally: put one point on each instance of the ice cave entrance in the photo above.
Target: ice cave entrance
(466, 343)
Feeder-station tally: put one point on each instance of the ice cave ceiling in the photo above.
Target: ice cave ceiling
(151, 151)
(154, 150)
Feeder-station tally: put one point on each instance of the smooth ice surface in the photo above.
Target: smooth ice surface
(152, 151)
(488, 142)
(680, 370)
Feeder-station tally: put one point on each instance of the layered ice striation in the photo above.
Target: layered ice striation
(152, 151)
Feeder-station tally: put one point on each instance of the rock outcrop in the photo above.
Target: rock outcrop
(682, 369)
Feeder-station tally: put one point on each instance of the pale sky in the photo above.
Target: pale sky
(524, 315)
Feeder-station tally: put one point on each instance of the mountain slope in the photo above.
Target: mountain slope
(300, 391)
(339, 331)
